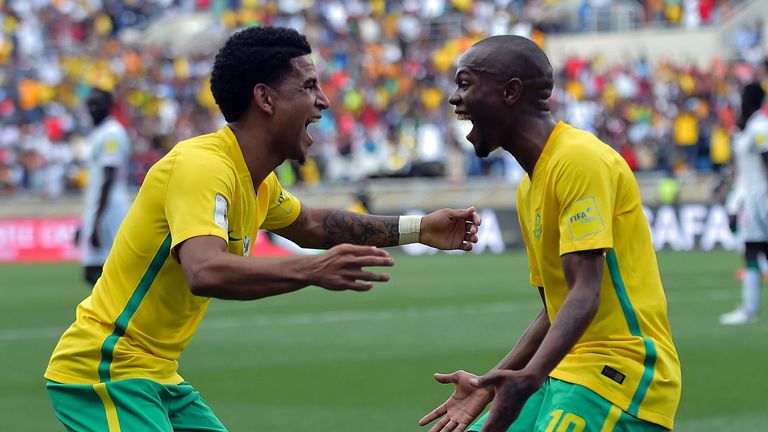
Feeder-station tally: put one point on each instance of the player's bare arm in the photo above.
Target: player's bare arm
(213, 272)
(467, 401)
(325, 228)
(583, 274)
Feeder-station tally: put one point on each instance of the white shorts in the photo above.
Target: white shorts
(110, 222)
(753, 220)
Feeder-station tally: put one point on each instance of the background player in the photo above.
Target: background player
(600, 354)
(106, 200)
(747, 203)
(188, 236)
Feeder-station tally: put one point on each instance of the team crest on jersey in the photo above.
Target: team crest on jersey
(537, 227)
(583, 218)
(220, 212)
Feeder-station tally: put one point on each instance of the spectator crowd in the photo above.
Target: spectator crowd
(386, 66)
(657, 13)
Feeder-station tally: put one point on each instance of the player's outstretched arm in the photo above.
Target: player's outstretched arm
(583, 273)
(212, 272)
(325, 228)
(467, 401)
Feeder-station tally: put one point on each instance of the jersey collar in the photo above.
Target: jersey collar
(549, 146)
(559, 128)
(235, 152)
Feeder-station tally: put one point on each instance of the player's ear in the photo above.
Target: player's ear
(513, 89)
(263, 99)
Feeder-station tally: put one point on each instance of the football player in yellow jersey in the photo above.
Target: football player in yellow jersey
(599, 356)
(188, 235)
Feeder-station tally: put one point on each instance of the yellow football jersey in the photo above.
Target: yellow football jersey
(583, 196)
(141, 314)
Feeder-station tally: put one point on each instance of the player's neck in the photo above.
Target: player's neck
(259, 158)
(528, 143)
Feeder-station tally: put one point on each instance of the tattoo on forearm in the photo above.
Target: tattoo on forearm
(348, 227)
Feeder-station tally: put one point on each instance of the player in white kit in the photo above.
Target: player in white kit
(106, 195)
(748, 201)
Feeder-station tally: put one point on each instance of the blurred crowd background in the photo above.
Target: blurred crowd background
(386, 65)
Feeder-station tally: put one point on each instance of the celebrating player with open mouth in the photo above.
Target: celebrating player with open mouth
(599, 356)
(188, 235)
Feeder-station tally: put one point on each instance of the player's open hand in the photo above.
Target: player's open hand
(450, 229)
(462, 408)
(512, 389)
(341, 268)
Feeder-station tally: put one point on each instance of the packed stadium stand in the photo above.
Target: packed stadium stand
(658, 80)
(386, 65)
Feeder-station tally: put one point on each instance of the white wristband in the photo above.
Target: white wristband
(409, 228)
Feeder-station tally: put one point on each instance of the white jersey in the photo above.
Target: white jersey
(106, 146)
(749, 196)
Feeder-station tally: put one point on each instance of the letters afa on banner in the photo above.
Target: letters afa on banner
(682, 228)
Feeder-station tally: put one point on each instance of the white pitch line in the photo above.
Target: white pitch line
(213, 322)
(363, 315)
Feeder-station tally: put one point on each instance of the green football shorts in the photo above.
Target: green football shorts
(132, 405)
(559, 406)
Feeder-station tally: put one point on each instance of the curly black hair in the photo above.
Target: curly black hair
(249, 57)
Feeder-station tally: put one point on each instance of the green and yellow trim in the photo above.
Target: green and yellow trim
(614, 414)
(634, 328)
(121, 323)
(109, 407)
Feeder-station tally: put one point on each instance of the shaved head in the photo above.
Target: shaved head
(503, 85)
(503, 58)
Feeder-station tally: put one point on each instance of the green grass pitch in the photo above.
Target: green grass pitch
(323, 361)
